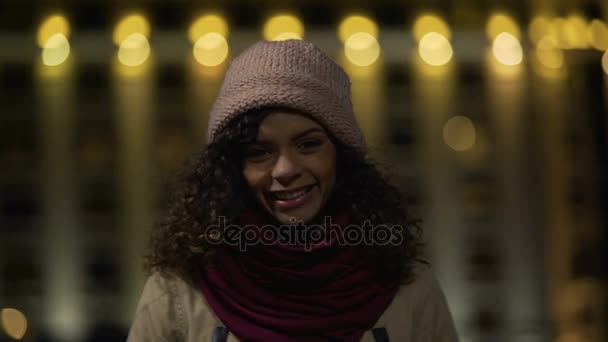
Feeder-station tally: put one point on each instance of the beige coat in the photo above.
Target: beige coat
(171, 309)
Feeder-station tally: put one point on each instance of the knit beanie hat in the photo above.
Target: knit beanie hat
(291, 74)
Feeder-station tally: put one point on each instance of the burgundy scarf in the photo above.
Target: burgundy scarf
(285, 293)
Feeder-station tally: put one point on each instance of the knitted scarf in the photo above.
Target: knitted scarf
(279, 292)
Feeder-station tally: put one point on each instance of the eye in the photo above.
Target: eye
(309, 145)
(256, 153)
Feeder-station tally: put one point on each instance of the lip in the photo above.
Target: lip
(295, 202)
(293, 189)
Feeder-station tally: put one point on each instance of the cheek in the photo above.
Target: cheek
(255, 178)
(327, 171)
(330, 178)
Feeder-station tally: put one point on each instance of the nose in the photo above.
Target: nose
(285, 170)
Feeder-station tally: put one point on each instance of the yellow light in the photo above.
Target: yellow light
(430, 23)
(362, 49)
(504, 71)
(51, 26)
(282, 27)
(597, 35)
(287, 36)
(56, 50)
(131, 24)
(545, 72)
(459, 133)
(134, 72)
(548, 54)
(14, 323)
(355, 24)
(499, 23)
(574, 32)
(431, 71)
(435, 49)
(605, 62)
(539, 27)
(134, 50)
(211, 49)
(559, 27)
(207, 24)
(507, 50)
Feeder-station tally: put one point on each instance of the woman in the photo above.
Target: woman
(282, 230)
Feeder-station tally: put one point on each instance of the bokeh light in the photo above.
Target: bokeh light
(134, 50)
(499, 23)
(435, 49)
(283, 27)
(430, 23)
(459, 133)
(605, 62)
(14, 323)
(56, 50)
(597, 35)
(355, 24)
(211, 49)
(507, 49)
(130, 25)
(555, 30)
(207, 24)
(50, 27)
(548, 54)
(287, 36)
(362, 49)
(539, 28)
(573, 32)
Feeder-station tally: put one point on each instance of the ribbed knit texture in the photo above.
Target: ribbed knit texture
(293, 74)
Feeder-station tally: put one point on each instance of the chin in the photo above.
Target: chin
(290, 218)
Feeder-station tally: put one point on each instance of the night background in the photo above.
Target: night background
(490, 115)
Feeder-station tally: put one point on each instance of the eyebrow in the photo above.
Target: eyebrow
(310, 130)
(297, 136)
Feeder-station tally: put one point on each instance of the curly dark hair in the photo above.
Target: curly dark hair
(212, 185)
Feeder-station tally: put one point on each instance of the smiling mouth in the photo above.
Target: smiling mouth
(290, 195)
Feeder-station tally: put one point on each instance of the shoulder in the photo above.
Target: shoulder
(419, 310)
(161, 288)
(424, 283)
(424, 290)
(172, 306)
(410, 297)
(158, 316)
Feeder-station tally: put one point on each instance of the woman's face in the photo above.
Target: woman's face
(291, 168)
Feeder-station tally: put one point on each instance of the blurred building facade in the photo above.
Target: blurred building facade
(505, 162)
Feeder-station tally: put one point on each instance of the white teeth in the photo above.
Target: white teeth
(290, 195)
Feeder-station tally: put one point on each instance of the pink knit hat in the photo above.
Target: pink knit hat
(293, 74)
